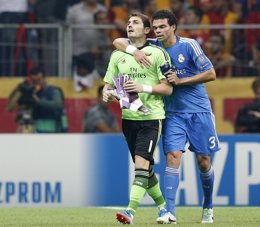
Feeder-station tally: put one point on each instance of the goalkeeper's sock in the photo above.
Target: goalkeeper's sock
(138, 189)
(207, 180)
(171, 183)
(154, 190)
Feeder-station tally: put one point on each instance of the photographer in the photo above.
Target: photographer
(248, 117)
(40, 106)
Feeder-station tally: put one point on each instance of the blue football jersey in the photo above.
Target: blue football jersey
(188, 59)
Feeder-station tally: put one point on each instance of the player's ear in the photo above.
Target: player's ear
(174, 27)
(147, 30)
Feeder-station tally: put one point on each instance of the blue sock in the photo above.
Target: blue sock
(171, 183)
(207, 180)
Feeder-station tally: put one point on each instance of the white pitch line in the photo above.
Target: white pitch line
(114, 208)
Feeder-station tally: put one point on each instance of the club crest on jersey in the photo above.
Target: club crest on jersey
(181, 58)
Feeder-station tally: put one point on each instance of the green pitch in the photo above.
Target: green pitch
(105, 217)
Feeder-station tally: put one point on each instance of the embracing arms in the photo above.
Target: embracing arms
(140, 56)
(203, 77)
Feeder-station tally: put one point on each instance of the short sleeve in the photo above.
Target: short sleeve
(200, 60)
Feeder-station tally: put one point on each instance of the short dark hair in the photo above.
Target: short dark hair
(256, 84)
(86, 61)
(36, 70)
(197, 11)
(143, 17)
(166, 14)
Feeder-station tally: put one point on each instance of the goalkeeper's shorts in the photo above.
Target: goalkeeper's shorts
(142, 137)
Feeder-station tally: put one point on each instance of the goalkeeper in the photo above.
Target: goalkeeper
(142, 130)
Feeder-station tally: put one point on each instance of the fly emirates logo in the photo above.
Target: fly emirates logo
(135, 74)
(179, 71)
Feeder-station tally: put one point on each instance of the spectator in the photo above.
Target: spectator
(119, 16)
(48, 37)
(220, 14)
(239, 7)
(256, 58)
(11, 12)
(162, 4)
(61, 7)
(45, 11)
(84, 73)
(252, 38)
(223, 62)
(205, 5)
(99, 119)
(248, 117)
(41, 106)
(83, 14)
(110, 3)
(51, 11)
(178, 7)
(102, 47)
(149, 7)
(14, 11)
(193, 16)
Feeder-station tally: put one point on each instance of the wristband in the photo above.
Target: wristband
(147, 88)
(130, 49)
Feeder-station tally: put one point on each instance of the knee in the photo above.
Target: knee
(141, 163)
(204, 164)
(174, 159)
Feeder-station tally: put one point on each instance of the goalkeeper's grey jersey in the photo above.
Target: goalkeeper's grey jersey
(123, 63)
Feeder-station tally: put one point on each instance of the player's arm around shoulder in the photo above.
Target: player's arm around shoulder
(160, 58)
(203, 77)
(140, 56)
(163, 88)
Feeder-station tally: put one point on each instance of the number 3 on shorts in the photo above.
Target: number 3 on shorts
(212, 141)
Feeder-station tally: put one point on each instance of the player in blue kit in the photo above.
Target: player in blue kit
(189, 116)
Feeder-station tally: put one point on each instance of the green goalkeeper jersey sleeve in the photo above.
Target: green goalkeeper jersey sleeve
(123, 63)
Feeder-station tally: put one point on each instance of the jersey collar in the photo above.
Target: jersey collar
(145, 45)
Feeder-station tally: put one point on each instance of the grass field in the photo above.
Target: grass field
(105, 217)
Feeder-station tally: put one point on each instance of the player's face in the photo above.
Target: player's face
(163, 30)
(135, 28)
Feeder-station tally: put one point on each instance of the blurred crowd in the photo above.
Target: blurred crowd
(234, 52)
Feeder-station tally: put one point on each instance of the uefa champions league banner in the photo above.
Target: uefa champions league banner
(76, 170)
